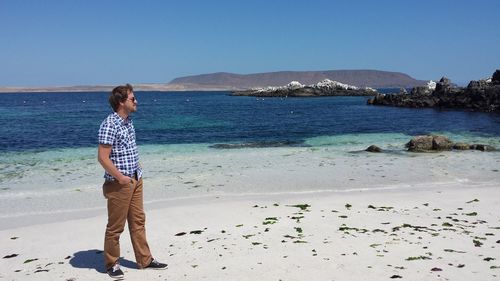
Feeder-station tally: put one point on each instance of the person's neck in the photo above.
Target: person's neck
(122, 113)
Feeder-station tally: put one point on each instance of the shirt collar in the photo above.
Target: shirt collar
(117, 118)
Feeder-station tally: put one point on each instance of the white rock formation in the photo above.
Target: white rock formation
(327, 83)
(294, 85)
(431, 85)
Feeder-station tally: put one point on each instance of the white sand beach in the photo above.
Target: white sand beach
(282, 214)
(427, 234)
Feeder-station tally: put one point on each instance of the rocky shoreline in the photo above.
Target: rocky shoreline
(295, 89)
(482, 95)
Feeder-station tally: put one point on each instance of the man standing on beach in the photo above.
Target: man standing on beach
(118, 155)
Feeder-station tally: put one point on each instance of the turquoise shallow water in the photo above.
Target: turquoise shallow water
(72, 164)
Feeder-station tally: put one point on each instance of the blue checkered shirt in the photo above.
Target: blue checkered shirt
(120, 134)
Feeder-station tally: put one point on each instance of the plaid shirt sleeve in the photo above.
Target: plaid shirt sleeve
(107, 133)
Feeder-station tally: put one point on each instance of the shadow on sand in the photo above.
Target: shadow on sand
(94, 259)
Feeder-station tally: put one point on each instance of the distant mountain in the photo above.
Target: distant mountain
(230, 81)
(359, 78)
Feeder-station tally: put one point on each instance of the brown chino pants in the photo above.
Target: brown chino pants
(125, 203)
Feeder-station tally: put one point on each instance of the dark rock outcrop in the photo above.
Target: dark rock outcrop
(482, 147)
(373, 148)
(421, 90)
(496, 77)
(441, 143)
(482, 95)
(461, 146)
(444, 85)
(420, 143)
(430, 143)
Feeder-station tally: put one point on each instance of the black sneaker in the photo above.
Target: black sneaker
(115, 272)
(154, 264)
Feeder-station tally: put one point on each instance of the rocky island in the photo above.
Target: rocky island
(326, 87)
(482, 95)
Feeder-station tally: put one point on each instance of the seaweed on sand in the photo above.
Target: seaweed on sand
(303, 207)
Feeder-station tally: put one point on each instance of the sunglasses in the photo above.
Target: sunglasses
(132, 99)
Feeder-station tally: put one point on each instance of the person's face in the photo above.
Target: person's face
(130, 103)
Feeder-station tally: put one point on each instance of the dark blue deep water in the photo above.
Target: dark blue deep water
(43, 121)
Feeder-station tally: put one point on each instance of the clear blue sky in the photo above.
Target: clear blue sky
(111, 42)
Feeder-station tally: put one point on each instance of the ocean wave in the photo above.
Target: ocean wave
(260, 144)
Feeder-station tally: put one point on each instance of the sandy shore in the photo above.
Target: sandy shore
(433, 232)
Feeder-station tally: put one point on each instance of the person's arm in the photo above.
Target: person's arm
(103, 152)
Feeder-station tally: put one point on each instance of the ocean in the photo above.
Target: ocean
(35, 122)
(211, 144)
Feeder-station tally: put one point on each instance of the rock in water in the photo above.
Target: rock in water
(429, 143)
(295, 89)
(420, 143)
(496, 77)
(373, 148)
(482, 147)
(461, 146)
(441, 143)
(482, 95)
